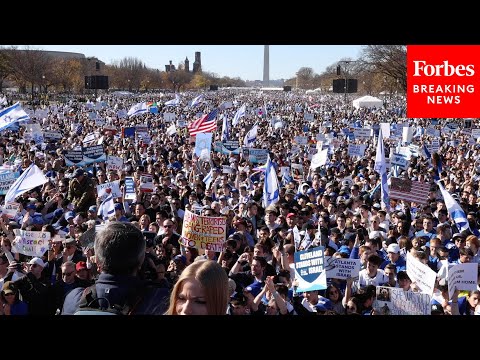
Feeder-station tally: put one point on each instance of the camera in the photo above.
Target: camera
(360, 234)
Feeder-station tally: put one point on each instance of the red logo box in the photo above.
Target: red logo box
(443, 81)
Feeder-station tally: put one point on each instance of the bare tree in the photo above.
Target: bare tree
(29, 66)
(388, 60)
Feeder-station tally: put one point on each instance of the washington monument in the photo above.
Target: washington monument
(266, 66)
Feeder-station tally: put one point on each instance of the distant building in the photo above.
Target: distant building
(187, 65)
(170, 67)
(197, 65)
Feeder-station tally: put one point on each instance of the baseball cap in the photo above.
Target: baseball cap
(118, 206)
(78, 172)
(37, 261)
(92, 208)
(393, 248)
(81, 265)
(69, 215)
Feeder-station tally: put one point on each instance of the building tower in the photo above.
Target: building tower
(187, 65)
(197, 65)
(266, 66)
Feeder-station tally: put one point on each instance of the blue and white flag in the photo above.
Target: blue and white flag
(381, 168)
(30, 178)
(271, 193)
(106, 208)
(240, 112)
(454, 210)
(173, 102)
(198, 100)
(250, 137)
(225, 132)
(11, 115)
(208, 179)
(137, 109)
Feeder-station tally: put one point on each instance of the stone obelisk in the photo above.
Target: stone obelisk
(266, 66)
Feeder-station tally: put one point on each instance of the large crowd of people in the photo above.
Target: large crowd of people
(151, 169)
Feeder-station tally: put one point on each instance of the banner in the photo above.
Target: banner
(421, 274)
(340, 268)
(112, 187)
(203, 232)
(93, 154)
(130, 193)
(203, 145)
(73, 157)
(146, 183)
(114, 163)
(30, 243)
(396, 301)
(256, 156)
(462, 277)
(6, 181)
(10, 209)
(309, 269)
(219, 147)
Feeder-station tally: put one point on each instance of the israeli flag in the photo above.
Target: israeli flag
(30, 178)
(225, 129)
(107, 208)
(240, 112)
(11, 115)
(271, 193)
(208, 179)
(454, 210)
(381, 168)
(198, 100)
(137, 109)
(174, 102)
(250, 137)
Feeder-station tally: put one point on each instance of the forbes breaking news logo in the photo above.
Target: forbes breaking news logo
(442, 81)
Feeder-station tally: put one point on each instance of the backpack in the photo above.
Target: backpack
(90, 305)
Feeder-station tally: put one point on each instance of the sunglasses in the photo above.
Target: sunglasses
(8, 294)
(167, 226)
(68, 274)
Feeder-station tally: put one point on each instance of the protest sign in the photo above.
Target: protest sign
(203, 232)
(309, 269)
(30, 243)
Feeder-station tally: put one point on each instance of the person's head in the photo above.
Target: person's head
(120, 249)
(168, 226)
(404, 280)
(373, 263)
(333, 294)
(36, 266)
(473, 298)
(202, 289)
(393, 251)
(68, 272)
(9, 292)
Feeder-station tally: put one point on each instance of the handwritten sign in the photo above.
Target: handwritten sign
(462, 277)
(203, 232)
(421, 274)
(30, 243)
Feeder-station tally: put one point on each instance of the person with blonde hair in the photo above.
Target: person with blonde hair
(202, 289)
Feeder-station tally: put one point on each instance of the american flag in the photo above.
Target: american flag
(205, 124)
(409, 190)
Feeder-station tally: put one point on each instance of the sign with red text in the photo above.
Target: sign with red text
(442, 81)
(203, 232)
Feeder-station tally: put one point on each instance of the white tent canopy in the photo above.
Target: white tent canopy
(367, 102)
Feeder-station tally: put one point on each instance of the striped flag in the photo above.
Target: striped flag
(137, 109)
(408, 190)
(240, 112)
(107, 207)
(271, 193)
(199, 99)
(205, 124)
(11, 115)
(225, 132)
(32, 177)
(173, 102)
(208, 179)
(381, 168)
(251, 137)
(454, 210)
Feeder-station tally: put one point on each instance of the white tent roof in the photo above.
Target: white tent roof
(368, 102)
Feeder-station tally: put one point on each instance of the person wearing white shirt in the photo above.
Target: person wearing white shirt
(371, 275)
